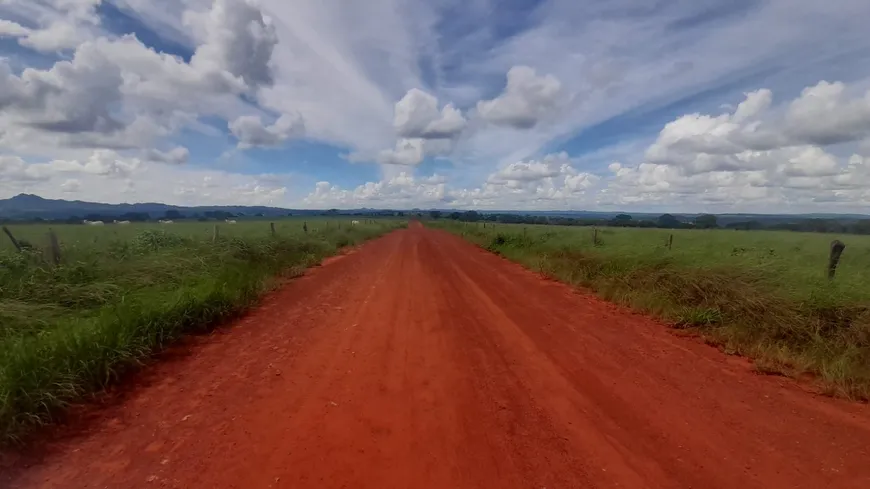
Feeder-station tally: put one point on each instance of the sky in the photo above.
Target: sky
(629, 105)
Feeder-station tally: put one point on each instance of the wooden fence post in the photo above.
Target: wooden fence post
(15, 242)
(305, 227)
(54, 246)
(837, 248)
(272, 228)
(215, 234)
(670, 241)
(595, 236)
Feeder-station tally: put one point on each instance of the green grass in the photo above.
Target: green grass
(762, 294)
(121, 293)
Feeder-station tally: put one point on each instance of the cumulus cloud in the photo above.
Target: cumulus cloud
(757, 155)
(754, 137)
(401, 191)
(417, 116)
(117, 93)
(234, 37)
(527, 99)
(60, 25)
(407, 152)
(825, 114)
(251, 132)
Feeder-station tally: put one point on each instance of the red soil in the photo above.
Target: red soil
(420, 361)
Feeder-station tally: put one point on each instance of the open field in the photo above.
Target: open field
(423, 361)
(763, 294)
(122, 291)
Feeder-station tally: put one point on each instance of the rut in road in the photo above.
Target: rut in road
(421, 361)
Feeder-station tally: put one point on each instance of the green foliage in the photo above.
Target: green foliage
(122, 292)
(763, 294)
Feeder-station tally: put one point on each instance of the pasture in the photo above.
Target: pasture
(120, 292)
(763, 294)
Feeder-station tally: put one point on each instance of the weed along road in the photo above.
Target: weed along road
(420, 361)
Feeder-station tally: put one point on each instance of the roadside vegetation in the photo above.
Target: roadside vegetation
(118, 293)
(761, 294)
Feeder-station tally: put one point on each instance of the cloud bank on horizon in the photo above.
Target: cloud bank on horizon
(679, 105)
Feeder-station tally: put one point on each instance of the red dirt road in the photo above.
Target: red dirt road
(421, 361)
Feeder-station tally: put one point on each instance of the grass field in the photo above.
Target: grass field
(763, 294)
(121, 292)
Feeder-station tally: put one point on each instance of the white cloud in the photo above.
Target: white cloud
(756, 157)
(824, 114)
(107, 176)
(407, 152)
(234, 37)
(71, 186)
(417, 116)
(753, 136)
(401, 191)
(60, 24)
(12, 29)
(527, 99)
(251, 132)
(176, 156)
(117, 93)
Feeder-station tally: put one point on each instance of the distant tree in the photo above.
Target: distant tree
(623, 220)
(455, 216)
(470, 216)
(400, 214)
(435, 214)
(172, 214)
(668, 221)
(706, 221)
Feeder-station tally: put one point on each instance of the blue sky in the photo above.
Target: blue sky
(693, 106)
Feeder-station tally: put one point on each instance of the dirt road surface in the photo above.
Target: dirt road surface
(420, 361)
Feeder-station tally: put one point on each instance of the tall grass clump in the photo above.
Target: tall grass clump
(72, 329)
(760, 294)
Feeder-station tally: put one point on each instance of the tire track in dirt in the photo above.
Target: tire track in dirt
(422, 361)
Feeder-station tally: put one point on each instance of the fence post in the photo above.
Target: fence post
(837, 248)
(670, 241)
(595, 236)
(305, 227)
(54, 246)
(15, 242)
(272, 228)
(216, 233)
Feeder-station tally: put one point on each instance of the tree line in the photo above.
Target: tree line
(668, 221)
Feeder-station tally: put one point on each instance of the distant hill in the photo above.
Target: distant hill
(28, 206)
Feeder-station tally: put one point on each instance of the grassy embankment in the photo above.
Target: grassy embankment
(121, 293)
(761, 294)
